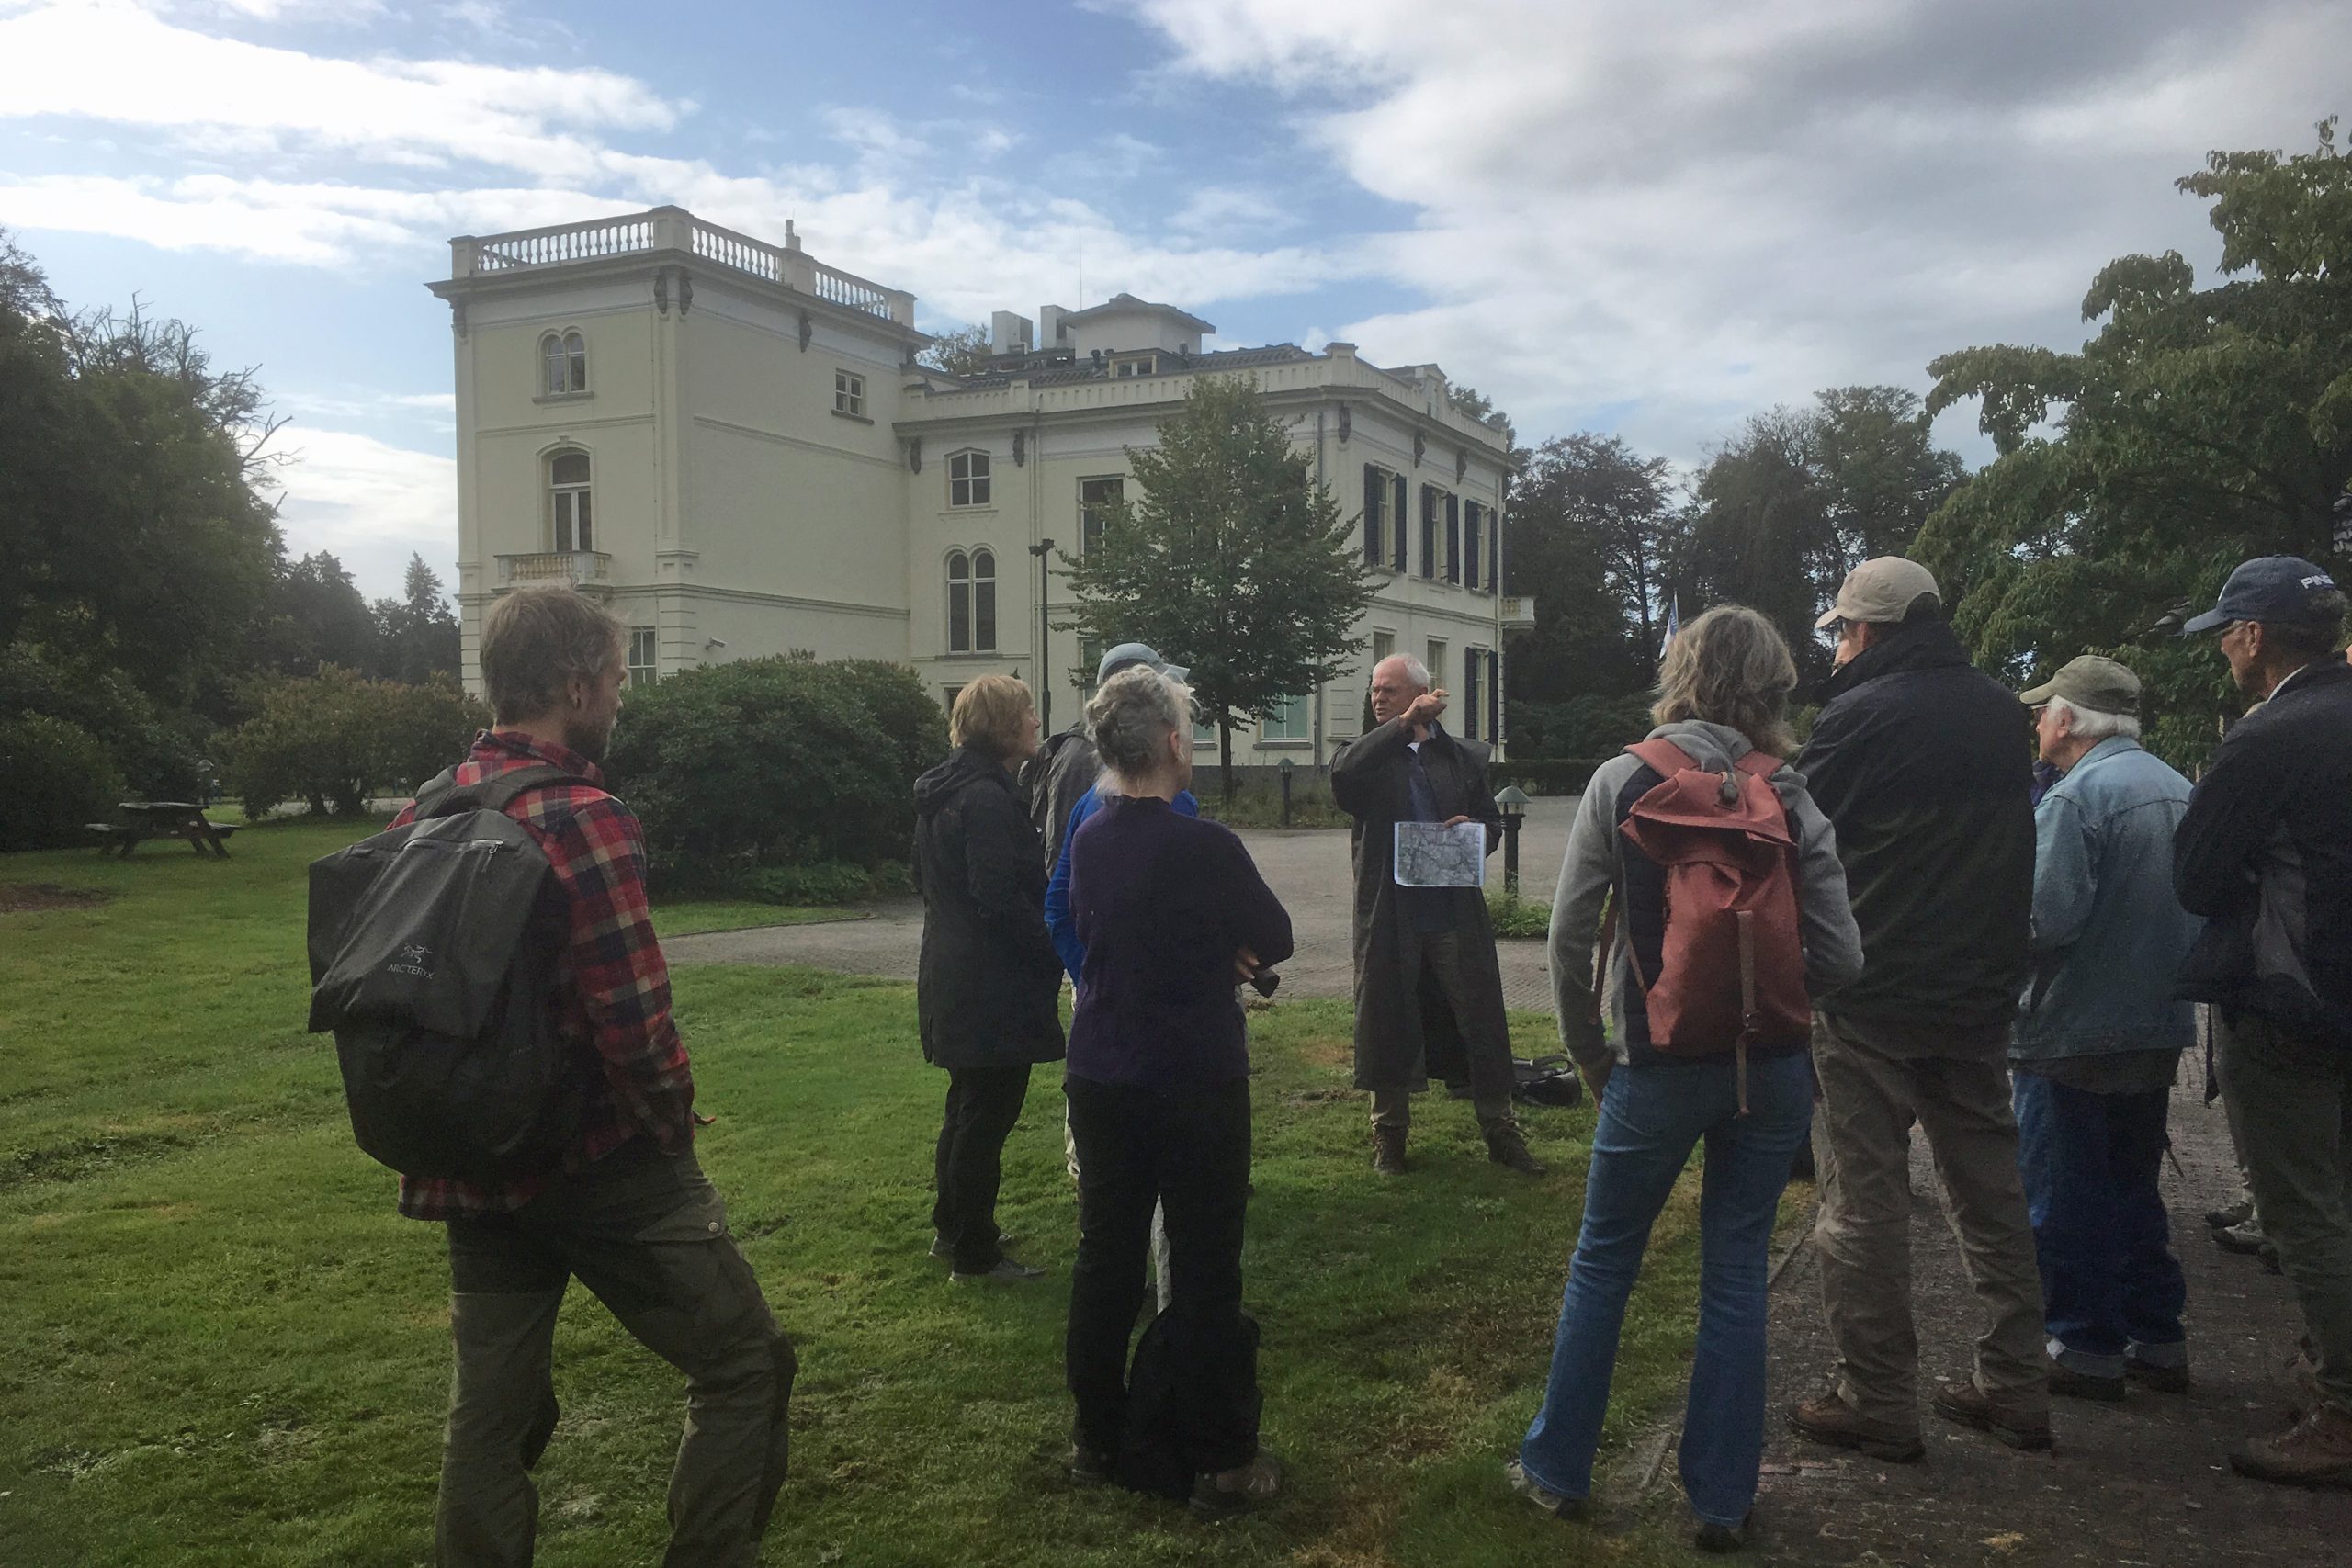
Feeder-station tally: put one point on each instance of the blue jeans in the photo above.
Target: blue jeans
(2111, 1285)
(1651, 1114)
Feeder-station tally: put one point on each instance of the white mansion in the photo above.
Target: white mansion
(733, 445)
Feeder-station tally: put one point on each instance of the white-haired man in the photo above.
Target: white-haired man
(2100, 1036)
(1427, 980)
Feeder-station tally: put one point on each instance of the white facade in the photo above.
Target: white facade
(733, 445)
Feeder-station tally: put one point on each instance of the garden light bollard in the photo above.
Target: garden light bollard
(1287, 765)
(1513, 804)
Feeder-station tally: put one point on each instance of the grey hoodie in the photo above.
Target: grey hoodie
(1595, 863)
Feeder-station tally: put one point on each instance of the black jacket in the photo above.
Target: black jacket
(2265, 855)
(989, 986)
(1064, 768)
(1926, 769)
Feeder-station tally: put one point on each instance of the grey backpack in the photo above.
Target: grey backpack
(434, 949)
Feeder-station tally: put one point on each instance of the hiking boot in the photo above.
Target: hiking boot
(1388, 1150)
(1831, 1420)
(1723, 1540)
(2314, 1452)
(1552, 1503)
(2162, 1380)
(2076, 1384)
(2244, 1238)
(1228, 1492)
(1972, 1407)
(1506, 1146)
(1006, 1272)
(1088, 1467)
(2229, 1215)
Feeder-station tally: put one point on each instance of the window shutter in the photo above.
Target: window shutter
(1397, 517)
(1453, 538)
(1375, 490)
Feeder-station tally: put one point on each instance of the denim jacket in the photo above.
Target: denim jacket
(2108, 934)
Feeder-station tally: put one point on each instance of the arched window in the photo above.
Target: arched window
(971, 602)
(564, 358)
(568, 506)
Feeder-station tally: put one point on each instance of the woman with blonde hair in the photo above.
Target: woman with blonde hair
(1748, 1096)
(988, 988)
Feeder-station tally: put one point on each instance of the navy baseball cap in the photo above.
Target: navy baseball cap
(2268, 588)
(1129, 654)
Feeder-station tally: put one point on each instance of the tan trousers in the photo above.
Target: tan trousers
(1872, 1093)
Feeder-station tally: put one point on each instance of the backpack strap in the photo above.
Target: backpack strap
(1663, 758)
(442, 796)
(1762, 764)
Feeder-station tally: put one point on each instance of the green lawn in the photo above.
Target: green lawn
(221, 1346)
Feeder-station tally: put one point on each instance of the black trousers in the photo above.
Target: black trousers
(648, 1233)
(982, 1105)
(1188, 1151)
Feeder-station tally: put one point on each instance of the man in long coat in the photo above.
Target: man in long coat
(1426, 983)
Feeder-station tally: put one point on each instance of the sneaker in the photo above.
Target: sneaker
(2314, 1452)
(1088, 1467)
(1228, 1492)
(1506, 1146)
(1723, 1540)
(1006, 1272)
(943, 1247)
(1388, 1150)
(1972, 1407)
(2244, 1238)
(2076, 1384)
(2162, 1380)
(2229, 1215)
(1543, 1496)
(1831, 1420)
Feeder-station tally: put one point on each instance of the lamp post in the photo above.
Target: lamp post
(1041, 550)
(1513, 804)
(1287, 765)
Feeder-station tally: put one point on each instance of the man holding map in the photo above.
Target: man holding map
(1428, 989)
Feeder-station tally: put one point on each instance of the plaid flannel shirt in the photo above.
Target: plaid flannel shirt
(612, 986)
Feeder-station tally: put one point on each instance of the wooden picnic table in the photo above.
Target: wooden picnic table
(162, 819)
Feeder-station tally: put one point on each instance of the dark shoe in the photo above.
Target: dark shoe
(1087, 1467)
(2065, 1380)
(2271, 1262)
(1388, 1150)
(2229, 1214)
(2303, 1370)
(1006, 1272)
(943, 1247)
(2162, 1380)
(1831, 1420)
(2314, 1452)
(1228, 1492)
(1972, 1407)
(1540, 1496)
(1507, 1146)
(1722, 1540)
(1460, 1091)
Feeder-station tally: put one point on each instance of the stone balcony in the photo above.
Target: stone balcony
(588, 571)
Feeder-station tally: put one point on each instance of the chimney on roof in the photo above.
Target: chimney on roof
(791, 240)
(1051, 334)
(1008, 332)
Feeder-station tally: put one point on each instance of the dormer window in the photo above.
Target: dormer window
(1128, 364)
(563, 365)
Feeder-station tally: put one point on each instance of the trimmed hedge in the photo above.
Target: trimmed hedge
(741, 768)
(1547, 775)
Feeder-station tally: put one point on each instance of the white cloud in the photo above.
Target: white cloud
(1685, 209)
(368, 502)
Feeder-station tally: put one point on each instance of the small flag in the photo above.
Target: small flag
(1673, 627)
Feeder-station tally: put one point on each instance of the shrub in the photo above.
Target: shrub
(1517, 917)
(768, 763)
(332, 740)
(1258, 802)
(827, 882)
(1588, 725)
(58, 778)
(158, 755)
(1547, 775)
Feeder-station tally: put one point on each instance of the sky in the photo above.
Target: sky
(1649, 221)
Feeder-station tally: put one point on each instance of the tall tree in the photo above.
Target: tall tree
(959, 351)
(1231, 559)
(2198, 426)
(326, 621)
(417, 635)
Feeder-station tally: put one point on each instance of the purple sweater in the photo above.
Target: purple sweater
(1162, 902)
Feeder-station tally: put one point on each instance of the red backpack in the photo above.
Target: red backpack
(1732, 967)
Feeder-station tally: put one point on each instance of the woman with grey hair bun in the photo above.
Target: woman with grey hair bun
(1170, 910)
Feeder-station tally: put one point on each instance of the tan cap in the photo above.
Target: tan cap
(1880, 590)
(2091, 683)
